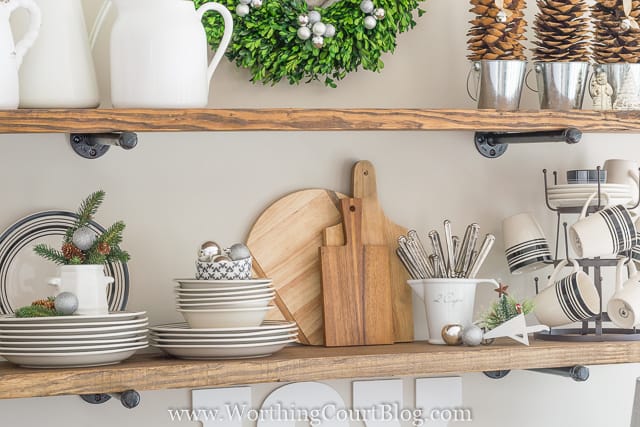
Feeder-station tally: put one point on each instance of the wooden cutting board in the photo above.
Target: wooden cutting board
(377, 229)
(355, 286)
(284, 242)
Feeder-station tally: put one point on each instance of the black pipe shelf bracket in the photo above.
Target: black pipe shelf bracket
(493, 144)
(95, 145)
(578, 373)
(129, 398)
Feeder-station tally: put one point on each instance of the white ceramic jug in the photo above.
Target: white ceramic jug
(11, 54)
(159, 53)
(59, 71)
(88, 283)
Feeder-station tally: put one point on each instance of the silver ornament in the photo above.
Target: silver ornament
(314, 16)
(452, 334)
(319, 28)
(83, 238)
(379, 14)
(242, 10)
(625, 25)
(221, 258)
(238, 251)
(330, 31)
(366, 6)
(318, 41)
(370, 22)
(303, 20)
(472, 335)
(66, 303)
(501, 17)
(210, 249)
(304, 33)
(256, 4)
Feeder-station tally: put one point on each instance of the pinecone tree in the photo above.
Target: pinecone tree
(562, 30)
(616, 39)
(497, 33)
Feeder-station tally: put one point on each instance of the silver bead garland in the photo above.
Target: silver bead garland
(374, 14)
(310, 26)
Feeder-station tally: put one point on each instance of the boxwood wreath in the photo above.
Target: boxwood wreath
(266, 38)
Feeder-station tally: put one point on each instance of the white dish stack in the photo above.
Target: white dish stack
(225, 319)
(72, 341)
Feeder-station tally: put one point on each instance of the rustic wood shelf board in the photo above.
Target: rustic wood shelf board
(300, 363)
(297, 119)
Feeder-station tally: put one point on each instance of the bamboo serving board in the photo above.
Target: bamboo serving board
(285, 242)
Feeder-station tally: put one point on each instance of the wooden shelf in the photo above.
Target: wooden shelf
(296, 119)
(300, 363)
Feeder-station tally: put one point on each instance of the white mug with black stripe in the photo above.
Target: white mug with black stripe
(624, 306)
(607, 232)
(571, 299)
(526, 248)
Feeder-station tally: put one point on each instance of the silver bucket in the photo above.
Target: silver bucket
(616, 76)
(561, 85)
(498, 84)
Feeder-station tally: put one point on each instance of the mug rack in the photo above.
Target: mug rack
(591, 329)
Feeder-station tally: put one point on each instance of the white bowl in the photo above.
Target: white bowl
(191, 293)
(193, 300)
(262, 302)
(216, 284)
(226, 317)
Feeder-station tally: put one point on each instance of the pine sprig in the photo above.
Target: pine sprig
(50, 254)
(112, 235)
(503, 309)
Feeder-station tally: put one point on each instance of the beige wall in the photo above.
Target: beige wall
(176, 190)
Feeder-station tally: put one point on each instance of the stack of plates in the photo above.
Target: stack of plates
(224, 303)
(178, 340)
(72, 341)
(576, 195)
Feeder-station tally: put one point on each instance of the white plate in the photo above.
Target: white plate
(55, 337)
(216, 335)
(63, 343)
(204, 284)
(75, 331)
(587, 195)
(223, 291)
(71, 360)
(583, 188)
(234, 351)
(572, 203)
(71, 348)
(224, 296)
(116, 316)
(70, 325)
(247, 302)
(183, 328)
(223, 341)
(225, 317)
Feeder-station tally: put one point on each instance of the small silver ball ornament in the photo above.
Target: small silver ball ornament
(452, 334)
(221, 259)
(256, 4)
(83, 238)
(210, 249)
(370, 22)
(304, 33)
(314, 16)
(329, 31)
(242, 10)
(318, 41)
(366, 6)
(319, 28)
(66, 303)
(238, 251)
(379, 14)
(501, 17)
(625, 25)
(303, 20)
(472, 335)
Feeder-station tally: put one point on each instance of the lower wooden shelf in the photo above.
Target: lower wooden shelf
(154, 371)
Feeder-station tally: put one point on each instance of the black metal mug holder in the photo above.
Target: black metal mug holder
(592, 329)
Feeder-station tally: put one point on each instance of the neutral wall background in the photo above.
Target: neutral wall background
(176, 190)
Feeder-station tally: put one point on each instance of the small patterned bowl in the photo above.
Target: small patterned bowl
(228, 270)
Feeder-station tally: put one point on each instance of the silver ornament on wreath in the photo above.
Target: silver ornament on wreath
(310, 26)
(374, 14)
(244, 7)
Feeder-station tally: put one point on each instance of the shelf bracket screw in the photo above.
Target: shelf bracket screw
(95, 145)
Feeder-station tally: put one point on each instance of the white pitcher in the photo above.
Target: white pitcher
(59, 71)
(88, 283)
(159, 53)
(11, 54)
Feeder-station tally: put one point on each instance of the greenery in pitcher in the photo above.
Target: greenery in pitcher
(81, 245)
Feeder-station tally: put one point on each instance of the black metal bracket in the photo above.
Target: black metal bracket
(95, 145)
(129, 398)
(494, 144)
(578, 373)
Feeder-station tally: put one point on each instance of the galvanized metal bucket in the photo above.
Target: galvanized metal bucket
(561, 85)
(616, 76)
(498, 84)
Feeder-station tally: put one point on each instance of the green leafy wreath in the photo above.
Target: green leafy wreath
(266, 42)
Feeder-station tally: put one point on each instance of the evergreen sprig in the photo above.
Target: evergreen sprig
(503, 309)
(50, 254)
(87, 210)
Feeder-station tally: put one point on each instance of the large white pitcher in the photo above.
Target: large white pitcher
(59, 70)
(11, 55)
(87, 282)
(159, 53)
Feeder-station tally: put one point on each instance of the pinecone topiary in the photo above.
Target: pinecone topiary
(617, 38)
(562, 30)
(70, 251)
(497, 33)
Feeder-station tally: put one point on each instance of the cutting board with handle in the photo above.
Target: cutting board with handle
(356, 286)
(284, 242)
(377, 229)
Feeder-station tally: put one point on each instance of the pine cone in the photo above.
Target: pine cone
(614, 40)
(562, 30)
(69, 250)
(104, 248)
(46, 303)
(493, 37)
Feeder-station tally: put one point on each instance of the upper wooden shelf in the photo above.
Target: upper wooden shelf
(296, 119)
(299, 363)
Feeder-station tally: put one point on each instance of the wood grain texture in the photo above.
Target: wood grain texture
(297, 119)
(284, 242)
(304, 363)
